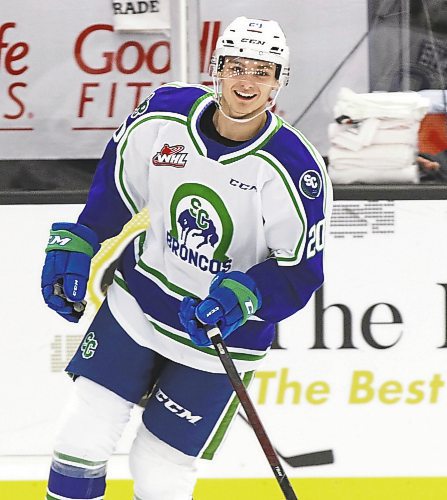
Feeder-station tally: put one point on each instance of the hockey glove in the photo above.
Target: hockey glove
(232, 299)
(65, 273)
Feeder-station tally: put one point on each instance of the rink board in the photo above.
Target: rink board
(360, 372)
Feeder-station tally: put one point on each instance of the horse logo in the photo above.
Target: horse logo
(195, 222)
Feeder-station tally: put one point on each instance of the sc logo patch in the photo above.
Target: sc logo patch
(310, 184)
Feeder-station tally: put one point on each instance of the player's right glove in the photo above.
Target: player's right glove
(233, 297)
(65, 273)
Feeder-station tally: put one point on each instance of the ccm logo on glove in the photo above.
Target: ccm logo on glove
(57, 240)
(67, 267)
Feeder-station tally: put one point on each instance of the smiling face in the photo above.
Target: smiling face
(246, 85)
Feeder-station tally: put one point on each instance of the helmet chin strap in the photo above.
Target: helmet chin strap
(218, 98)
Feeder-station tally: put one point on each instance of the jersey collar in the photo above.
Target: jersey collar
(238, 152)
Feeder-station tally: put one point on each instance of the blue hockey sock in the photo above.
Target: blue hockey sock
(68, 481)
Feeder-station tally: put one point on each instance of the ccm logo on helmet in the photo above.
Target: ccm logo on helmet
(252, 40)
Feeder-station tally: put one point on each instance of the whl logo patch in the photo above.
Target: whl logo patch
(89, 346)
(170, 156)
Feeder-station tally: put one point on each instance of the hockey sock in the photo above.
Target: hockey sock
(86, 481)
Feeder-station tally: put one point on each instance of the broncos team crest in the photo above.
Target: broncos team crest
(201, 228)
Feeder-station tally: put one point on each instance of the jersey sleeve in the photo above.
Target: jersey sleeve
(296, 201)
(120, 184)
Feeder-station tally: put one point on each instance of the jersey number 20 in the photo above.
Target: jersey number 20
(316, 239)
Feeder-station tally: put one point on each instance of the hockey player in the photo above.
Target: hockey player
(238, 201)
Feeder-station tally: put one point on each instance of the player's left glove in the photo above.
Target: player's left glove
(233, 298)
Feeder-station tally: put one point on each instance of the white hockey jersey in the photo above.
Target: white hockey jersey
(259, 207)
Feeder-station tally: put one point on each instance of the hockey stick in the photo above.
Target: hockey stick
(238, 386)
(323, 457)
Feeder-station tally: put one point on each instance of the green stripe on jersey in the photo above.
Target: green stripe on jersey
(186, 341)
(124, 145)
(161, 277)
(121, 283)
(259, 146)
(190, 120)
(207, 350)
(180, 85)
(316, 156)
(302, 218)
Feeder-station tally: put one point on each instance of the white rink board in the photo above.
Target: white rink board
(380, 437)
(69, 80)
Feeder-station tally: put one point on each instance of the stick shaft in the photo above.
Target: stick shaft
(252, 415)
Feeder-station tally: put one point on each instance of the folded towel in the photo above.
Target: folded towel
(408, 174)
(353, 137)
(372, 131)
(379, 156)
(397, 124)
(408, 136)
(402, 105)
(141, 16)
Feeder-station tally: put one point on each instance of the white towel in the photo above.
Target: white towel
(353, 137)
(141, 16)
(373, 131)
(397, 124)
(402, 105)
(381, 156)
(406, 175)
(408, 136)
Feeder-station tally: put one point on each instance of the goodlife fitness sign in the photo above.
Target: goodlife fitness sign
(68, 80)
(66, 98)
(15, 64)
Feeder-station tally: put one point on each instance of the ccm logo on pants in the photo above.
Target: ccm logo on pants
(173, 407)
